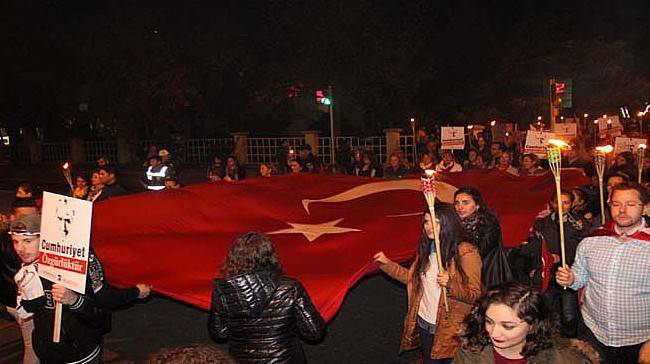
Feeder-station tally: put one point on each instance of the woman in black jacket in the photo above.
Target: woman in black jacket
(260, 311)
(484, 231)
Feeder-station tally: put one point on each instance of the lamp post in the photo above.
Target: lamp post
(415, 143)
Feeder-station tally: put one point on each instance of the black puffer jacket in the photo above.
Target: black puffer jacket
(263, 315)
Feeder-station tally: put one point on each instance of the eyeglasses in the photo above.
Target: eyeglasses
(629, 205)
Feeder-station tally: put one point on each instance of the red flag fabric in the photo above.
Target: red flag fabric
(325, 228)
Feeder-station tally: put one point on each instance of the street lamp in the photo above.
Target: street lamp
(412, 121)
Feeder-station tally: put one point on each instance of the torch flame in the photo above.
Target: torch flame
(66, 165)
(605, 149)
(642, 146)
(429, 173)
(558, 143)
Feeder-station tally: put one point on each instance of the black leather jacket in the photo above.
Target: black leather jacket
(263, 315)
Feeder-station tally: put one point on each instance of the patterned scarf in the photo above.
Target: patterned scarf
(471, 223)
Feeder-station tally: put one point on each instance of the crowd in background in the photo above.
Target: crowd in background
(507, 304)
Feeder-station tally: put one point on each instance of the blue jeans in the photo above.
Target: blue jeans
(427, 333)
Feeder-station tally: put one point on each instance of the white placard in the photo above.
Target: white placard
(610, 126)
(453, 137)
(536, 142)
(622, 144)
(566, 131)
(65, 240)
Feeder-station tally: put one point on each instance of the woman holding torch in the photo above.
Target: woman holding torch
(427, 323)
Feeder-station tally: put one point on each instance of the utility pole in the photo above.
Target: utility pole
(551, 84)
(331, 112)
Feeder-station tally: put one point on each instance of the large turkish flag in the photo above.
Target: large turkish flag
(325, 228)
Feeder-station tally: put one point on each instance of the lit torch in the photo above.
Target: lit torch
(68, 175)
(599, 161)
(640, 159)
(554, 153)
(429, 191)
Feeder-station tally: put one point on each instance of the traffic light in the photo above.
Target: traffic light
(563, 93)
(323, 100)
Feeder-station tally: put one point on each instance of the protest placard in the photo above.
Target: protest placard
(566, 131)
(452, 137)
(609, 126)
(623, 144)
(536, 142)
(64, 245)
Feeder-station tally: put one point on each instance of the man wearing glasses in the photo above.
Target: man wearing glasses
(613, 267)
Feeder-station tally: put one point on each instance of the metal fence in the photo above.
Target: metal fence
(96, 149)
(264, 149)
(201, 150)
(55, 152)
(375, 144)
(407, 145)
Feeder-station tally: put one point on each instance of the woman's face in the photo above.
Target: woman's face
(472, 156)
(394, 162)
(506, 329)
(265, 171)
(428, 227)
(295, 167)
(81, 182)
(426, 159)
(527, 163)
(366, 160)
(95, 180)
(481, 142)
(465, 205)
(230, 162)
(620, 160)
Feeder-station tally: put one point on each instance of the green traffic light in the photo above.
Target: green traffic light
(325, 101)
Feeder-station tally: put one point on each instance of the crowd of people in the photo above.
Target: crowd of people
(483, 304)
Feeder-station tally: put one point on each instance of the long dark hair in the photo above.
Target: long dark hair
(251, 252)
(477, 197)
(530, 306)
(452, 233)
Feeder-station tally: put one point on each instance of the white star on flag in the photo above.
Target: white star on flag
(314, 231)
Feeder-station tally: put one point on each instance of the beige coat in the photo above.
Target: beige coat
(461, 296)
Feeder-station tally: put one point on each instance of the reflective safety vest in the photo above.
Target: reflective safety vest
(156, 178)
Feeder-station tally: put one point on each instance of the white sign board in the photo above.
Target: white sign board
(566, 131)
(622, 144)
(536, 142)
(610, 126)
(452, 137)
(65, 240)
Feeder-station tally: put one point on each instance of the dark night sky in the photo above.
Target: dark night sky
(230, 63)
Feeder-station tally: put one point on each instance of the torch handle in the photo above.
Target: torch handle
(560, 212)
(436, 235)
(56, 334)
(602, 200)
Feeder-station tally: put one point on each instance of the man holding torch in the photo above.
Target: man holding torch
(613, 267)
